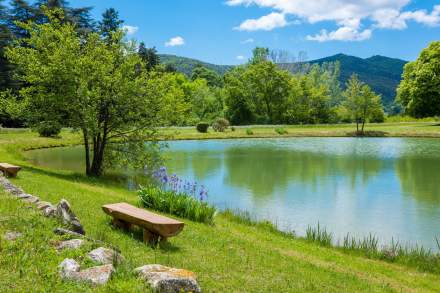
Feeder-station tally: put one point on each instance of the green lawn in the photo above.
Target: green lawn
(227, 257)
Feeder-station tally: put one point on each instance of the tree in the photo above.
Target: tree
(79, 16)
(240, 108)
(5, 39)
(259, 54)
(212, 77)
(89, 85)
(268, 88)
(149, 56)
(419, 90)
(110, 23)
(361, 102)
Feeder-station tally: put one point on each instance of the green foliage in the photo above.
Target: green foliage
(181, 205)
(202, 127)
(48, 128)
(206, 101)
(149, 56)
(249, 131)
(259, 55)
(281, 131)
(382, 74)
(187, 65)
(110, 23)
(362, 103)
(212, 78)
(87, 83)
(220, 125)
(419, 91)
(319, 235)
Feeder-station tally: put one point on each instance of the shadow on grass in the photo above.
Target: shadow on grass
(108, 180)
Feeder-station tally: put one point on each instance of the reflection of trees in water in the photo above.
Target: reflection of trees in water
(202, 162)
(261, 170)
(420, 177)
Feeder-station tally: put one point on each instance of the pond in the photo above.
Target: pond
(389, 187)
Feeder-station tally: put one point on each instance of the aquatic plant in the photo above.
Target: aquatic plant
(319, 235)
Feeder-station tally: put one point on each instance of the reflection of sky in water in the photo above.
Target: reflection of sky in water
(386, 186)
(349, 185)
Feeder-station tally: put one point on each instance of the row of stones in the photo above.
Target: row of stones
(160, 278)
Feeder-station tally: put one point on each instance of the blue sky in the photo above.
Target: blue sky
(225, 31)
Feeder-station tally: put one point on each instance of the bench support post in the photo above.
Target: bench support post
(121, 224)
(150, 237)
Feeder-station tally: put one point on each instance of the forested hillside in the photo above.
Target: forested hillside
(383, 74)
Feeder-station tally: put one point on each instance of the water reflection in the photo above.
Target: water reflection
(387, 186)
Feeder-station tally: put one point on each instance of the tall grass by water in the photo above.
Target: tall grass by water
(419, 257)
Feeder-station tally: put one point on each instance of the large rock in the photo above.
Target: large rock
(69, 269)
(64, 212)
(168, 280)
(32, 199)
(70, 244)
(105, 256)
(96, 275)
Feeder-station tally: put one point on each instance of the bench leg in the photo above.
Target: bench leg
(150, 238)
(121, 224)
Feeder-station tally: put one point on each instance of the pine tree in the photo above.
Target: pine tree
(149, 56)
(110, 23)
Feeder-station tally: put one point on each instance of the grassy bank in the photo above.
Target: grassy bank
(227, 257)
(402, 129)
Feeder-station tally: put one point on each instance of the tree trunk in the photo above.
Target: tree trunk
(98, 154)
(87, 150)
(363, 125)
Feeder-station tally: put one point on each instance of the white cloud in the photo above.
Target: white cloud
(240, 57)
(176, 41)
(349, 15)
(130, 30)
(248, 41)
(342, 34)
(266, 23)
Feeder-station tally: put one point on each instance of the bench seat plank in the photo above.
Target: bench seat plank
(9, 170)
(157, 224)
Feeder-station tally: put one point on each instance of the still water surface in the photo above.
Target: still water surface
(386, 186)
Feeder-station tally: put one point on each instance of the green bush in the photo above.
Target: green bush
(281, 131)
(220, 124)
(249, 132)
(202, 127)
(48, 128)
(181, 205)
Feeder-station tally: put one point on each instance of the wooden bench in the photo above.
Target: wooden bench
(154, 226)
(9, 170)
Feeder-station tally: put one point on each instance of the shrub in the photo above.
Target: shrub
(220, 124)
(202, 127)
(48, 128)
(281, 131)
(249, 132)
(232, 128)
(178, 204)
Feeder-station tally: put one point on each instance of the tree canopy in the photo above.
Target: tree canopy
(89, 85)
(419, 91)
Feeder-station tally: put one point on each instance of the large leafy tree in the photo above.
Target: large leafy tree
(213, 78)
(419, 91)
(91, 85)
(361, 102)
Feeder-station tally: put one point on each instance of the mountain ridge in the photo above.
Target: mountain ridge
(381, 73)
